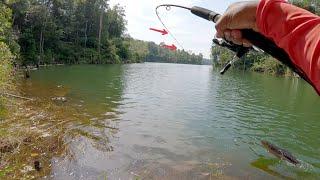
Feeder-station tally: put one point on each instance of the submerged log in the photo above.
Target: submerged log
(16, 96)
(27, 73)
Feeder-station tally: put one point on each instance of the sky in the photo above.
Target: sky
(193, 33)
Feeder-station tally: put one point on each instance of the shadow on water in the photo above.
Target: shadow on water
(264, 164)
(284, 170)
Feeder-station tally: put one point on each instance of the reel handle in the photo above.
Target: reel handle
(225, 68)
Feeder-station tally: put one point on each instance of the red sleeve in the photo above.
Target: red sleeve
(295, 30)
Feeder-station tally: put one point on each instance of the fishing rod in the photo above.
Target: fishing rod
(255, 38)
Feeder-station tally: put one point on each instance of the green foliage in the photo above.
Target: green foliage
(6, 56)
(310, 5)
(254, 61)
(268, 65)
(220, 55)
(157, 53)
(140, 51)
(116, 24)
(69, 31)
(7, 46)
(5, 16)
(74, 32)
(5, 73)
(6, 33)
(5, 66)
(111, 55)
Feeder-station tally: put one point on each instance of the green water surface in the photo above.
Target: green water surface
(174, 121)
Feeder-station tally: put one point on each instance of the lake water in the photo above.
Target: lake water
(170, 121)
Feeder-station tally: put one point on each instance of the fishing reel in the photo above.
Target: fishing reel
(239, 51)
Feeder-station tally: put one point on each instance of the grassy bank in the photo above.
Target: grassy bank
(35, 132)
(28, 140)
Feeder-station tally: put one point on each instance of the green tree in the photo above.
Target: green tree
(6, 33)
(7, 45)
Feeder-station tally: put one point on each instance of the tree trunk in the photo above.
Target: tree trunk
(42, 38)
(99, 36)
(40, 48)
(85, 35)
(85, 40)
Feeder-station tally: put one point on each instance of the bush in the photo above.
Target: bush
(269, 65)
(5, 73)
(5, 66)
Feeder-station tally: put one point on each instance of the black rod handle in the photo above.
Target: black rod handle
(205, 13)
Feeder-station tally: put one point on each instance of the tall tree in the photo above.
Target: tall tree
(103, 6)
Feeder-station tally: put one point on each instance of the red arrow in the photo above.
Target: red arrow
(163, 32)
(172, 47)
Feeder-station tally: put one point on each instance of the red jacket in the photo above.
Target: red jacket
(295, 30)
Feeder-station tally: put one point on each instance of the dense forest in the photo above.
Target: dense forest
(73, 32)
(256, 61)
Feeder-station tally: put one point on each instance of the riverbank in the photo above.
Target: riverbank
(33, 133)
(25, 142)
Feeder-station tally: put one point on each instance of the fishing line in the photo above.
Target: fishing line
(168, 8)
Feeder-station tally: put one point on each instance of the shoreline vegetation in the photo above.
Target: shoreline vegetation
(35, 132)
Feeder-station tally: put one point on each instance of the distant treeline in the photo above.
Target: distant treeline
(260, 62)
(151, 52)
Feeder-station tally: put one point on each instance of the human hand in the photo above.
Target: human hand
(240, 15)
